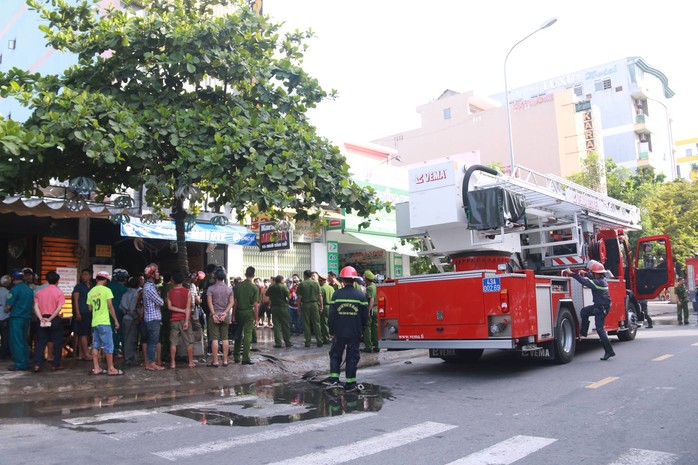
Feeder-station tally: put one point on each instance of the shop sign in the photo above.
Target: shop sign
(335, 223)
(397, 266)
(103, 251)
(333, 256)
(305, 231)
(272, 239)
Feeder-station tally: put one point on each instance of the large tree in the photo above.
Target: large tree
(182, 100)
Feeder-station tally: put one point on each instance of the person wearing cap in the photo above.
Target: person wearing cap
(326, 290)
(5, 283)
(118, 288)
(99, 300)
(48, 303)
(83, 317)
(348, 318)
(310, 303)
(152, 316)
(681, 302)
(595, 280)
(279, 295)
(29, 278)
(371, 332)
(19, 303)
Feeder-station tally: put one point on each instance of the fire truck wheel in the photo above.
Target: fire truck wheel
(565, 337)
(631, 319)
(464, 356)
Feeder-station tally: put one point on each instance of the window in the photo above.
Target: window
(602, 84)
(689, 152)
(447, 113)
(578, 90)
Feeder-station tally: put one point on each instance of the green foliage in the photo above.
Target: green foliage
(666, 208)
(591, 175)
(179, 97)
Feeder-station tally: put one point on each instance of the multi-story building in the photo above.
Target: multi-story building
(687, 158)
(616, 110)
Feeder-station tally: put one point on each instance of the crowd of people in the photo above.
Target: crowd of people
(119, 316)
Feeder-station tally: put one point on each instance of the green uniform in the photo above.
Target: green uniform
(371, 331)
(118, 289)
(278, 299)
(246, 295)
(309, 291)
(327, 292)
(21, 298)
(681, 303)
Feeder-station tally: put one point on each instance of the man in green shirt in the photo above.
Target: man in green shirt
(279, 295)
(245, 311)
(327, 292)
(310, 302)
(99, 300)
(371, 332)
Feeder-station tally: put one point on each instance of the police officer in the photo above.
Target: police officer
(310, 302)
(371, 333)
(347, 320)
(596, 281)
(279, 295)
(245, 314)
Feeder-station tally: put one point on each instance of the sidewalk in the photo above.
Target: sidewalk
(269, 363)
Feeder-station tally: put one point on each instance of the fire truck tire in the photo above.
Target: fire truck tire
(464, 356)
(631, 318)
(565, 337)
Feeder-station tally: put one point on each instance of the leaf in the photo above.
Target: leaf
(191, 68)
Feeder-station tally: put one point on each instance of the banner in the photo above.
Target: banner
(201, 232)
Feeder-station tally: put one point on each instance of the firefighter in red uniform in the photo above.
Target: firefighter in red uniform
(347, 320)
(596, 281)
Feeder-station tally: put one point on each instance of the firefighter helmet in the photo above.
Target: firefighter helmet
(348, 272)
(597, 267)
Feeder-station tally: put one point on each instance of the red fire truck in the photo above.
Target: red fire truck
(508, 239)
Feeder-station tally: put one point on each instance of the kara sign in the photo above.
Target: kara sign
(272, 239)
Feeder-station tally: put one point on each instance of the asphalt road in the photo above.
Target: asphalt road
(637, 408)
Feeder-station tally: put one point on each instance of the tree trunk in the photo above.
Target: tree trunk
(179, 216)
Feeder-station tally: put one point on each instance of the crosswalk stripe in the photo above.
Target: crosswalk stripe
(506, 452)
(366, 447)
(603, 382)
(145, 412)
(266, 435)
(646, 457)
(662, 358)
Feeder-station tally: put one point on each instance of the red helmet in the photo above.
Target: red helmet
(597, 267)
(348, 272)
(150, 269)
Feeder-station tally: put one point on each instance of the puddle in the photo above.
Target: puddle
(259, 403)
(288, 403)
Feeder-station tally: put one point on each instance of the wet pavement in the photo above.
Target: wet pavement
(275, 376)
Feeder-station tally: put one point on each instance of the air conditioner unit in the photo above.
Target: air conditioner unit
(643, 138)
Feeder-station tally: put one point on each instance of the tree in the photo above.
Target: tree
(592, 175)
(185, 103)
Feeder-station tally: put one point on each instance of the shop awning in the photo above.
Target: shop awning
(391, 244)
(201, 232)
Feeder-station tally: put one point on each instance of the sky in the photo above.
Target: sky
(387, 57)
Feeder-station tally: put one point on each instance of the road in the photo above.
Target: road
(637, 408)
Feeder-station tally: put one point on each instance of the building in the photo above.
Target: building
(634, 122)
(687, 158)
(616, 110)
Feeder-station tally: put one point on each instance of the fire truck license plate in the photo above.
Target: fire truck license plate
(491, 285)
(442, 353)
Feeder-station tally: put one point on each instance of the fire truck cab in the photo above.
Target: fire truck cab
(508, 239)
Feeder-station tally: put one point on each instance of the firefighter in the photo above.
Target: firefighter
(347, 320)
(596, 281)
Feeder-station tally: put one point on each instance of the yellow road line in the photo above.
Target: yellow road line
(663, 357)
(603, 382)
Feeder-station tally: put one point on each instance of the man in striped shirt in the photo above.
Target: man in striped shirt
(152, 302)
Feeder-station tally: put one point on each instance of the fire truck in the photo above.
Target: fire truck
(508, 238)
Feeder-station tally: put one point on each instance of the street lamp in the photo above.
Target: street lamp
(546, 24)
(672, 158)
